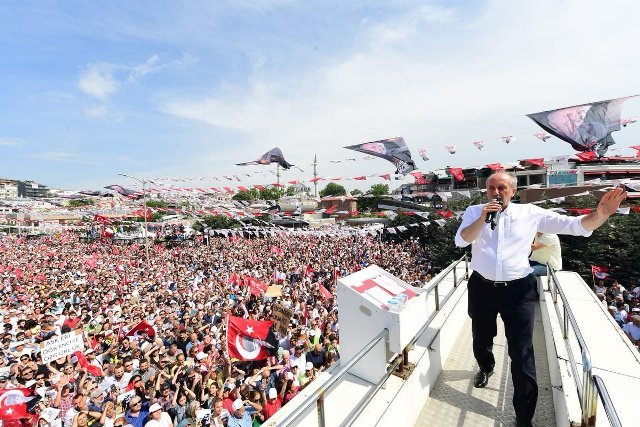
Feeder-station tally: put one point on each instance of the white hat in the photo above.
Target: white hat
(201, 355)
(312, 333)
(237, 404)
(289, 375)
(308, 366)
(155, 407)
(273, 393)
(88, 351)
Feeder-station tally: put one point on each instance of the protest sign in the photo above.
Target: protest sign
(281, 317)
(60, 346)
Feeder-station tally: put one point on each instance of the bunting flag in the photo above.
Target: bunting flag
(142, 328)
(586, 127)
(387, 176)
(250, 340)
(272, 156)
(494, 166)
(392, 149)
(600, 272)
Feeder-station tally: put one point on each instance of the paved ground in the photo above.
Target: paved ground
(455, 402)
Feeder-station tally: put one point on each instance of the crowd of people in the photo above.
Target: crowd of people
(179, 374)
(623, 303)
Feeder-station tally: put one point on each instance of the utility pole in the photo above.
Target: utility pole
(315, 175)
(278, 173)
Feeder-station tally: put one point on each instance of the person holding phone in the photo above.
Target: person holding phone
(502, 280)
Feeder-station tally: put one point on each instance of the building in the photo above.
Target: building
(342, 206)
(557, 172)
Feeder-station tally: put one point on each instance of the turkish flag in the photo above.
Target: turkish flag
(13, 403)
(600, 272)
(536, 162)
(324, 291)
(587, 155)
(386, 176)
(420, 177)
(92, 369)
(445, 214)
(247, 339)
(142, 328)
(456, 173)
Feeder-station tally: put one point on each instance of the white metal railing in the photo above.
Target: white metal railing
(591, 386)
(399, 361)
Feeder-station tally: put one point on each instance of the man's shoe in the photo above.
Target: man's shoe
(481, 379)
(522, 423)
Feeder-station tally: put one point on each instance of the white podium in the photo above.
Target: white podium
(366, 307)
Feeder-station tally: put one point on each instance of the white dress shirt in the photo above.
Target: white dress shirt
(502, 254)
(549, 252)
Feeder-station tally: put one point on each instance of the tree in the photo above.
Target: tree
(378, 190)
(271, 193)
(333, 189)
(221, 221)
(251, 194)
(356, 192)
(80, 202)
(291, 190)
(157, 204)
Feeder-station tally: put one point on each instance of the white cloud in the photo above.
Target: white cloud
(98, 81)
(4, 142)
(435, 76)
(63, 156)
(154, 65)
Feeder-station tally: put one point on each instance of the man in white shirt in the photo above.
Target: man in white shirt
(502, 281)
(545, 249)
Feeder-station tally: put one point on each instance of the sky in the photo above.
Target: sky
(176, 89)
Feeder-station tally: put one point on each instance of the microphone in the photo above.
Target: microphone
(491, 216)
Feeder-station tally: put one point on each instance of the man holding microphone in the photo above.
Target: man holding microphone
(502, 281)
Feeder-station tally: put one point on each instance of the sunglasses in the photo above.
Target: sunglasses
(118, 425)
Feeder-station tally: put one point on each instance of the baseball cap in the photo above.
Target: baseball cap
(96, 393)
(308, 366)
(237, 404)
(155, 407)
(273, 393)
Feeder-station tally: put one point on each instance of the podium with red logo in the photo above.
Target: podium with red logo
(370, 300)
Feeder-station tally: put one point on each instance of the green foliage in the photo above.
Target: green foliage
(157, 204)
(378, 190)
(80, 202)
(251, 194)
(221, 221)
(333, 189)
(356, 192)
(271, 193)
(290, 190)
(197, 226)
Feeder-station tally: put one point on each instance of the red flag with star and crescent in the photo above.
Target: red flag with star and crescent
(13, 403)
(247, 338)
(142, 328)
(600, 272)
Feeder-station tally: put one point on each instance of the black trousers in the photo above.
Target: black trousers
(516, 305)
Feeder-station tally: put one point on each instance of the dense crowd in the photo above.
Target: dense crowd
(181, 374)
(623, 303)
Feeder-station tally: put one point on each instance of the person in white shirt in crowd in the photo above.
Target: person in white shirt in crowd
(503, 283)
(158, 418)
(545, 250)
(632, 329)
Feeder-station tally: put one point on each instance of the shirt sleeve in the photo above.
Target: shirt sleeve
(553, 222)
(469, 217)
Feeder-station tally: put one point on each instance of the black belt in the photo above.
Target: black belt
(499, 284)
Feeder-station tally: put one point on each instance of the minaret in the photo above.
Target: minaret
(315, 175)
(278, 174)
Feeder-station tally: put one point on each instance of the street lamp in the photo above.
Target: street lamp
(144, 201)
